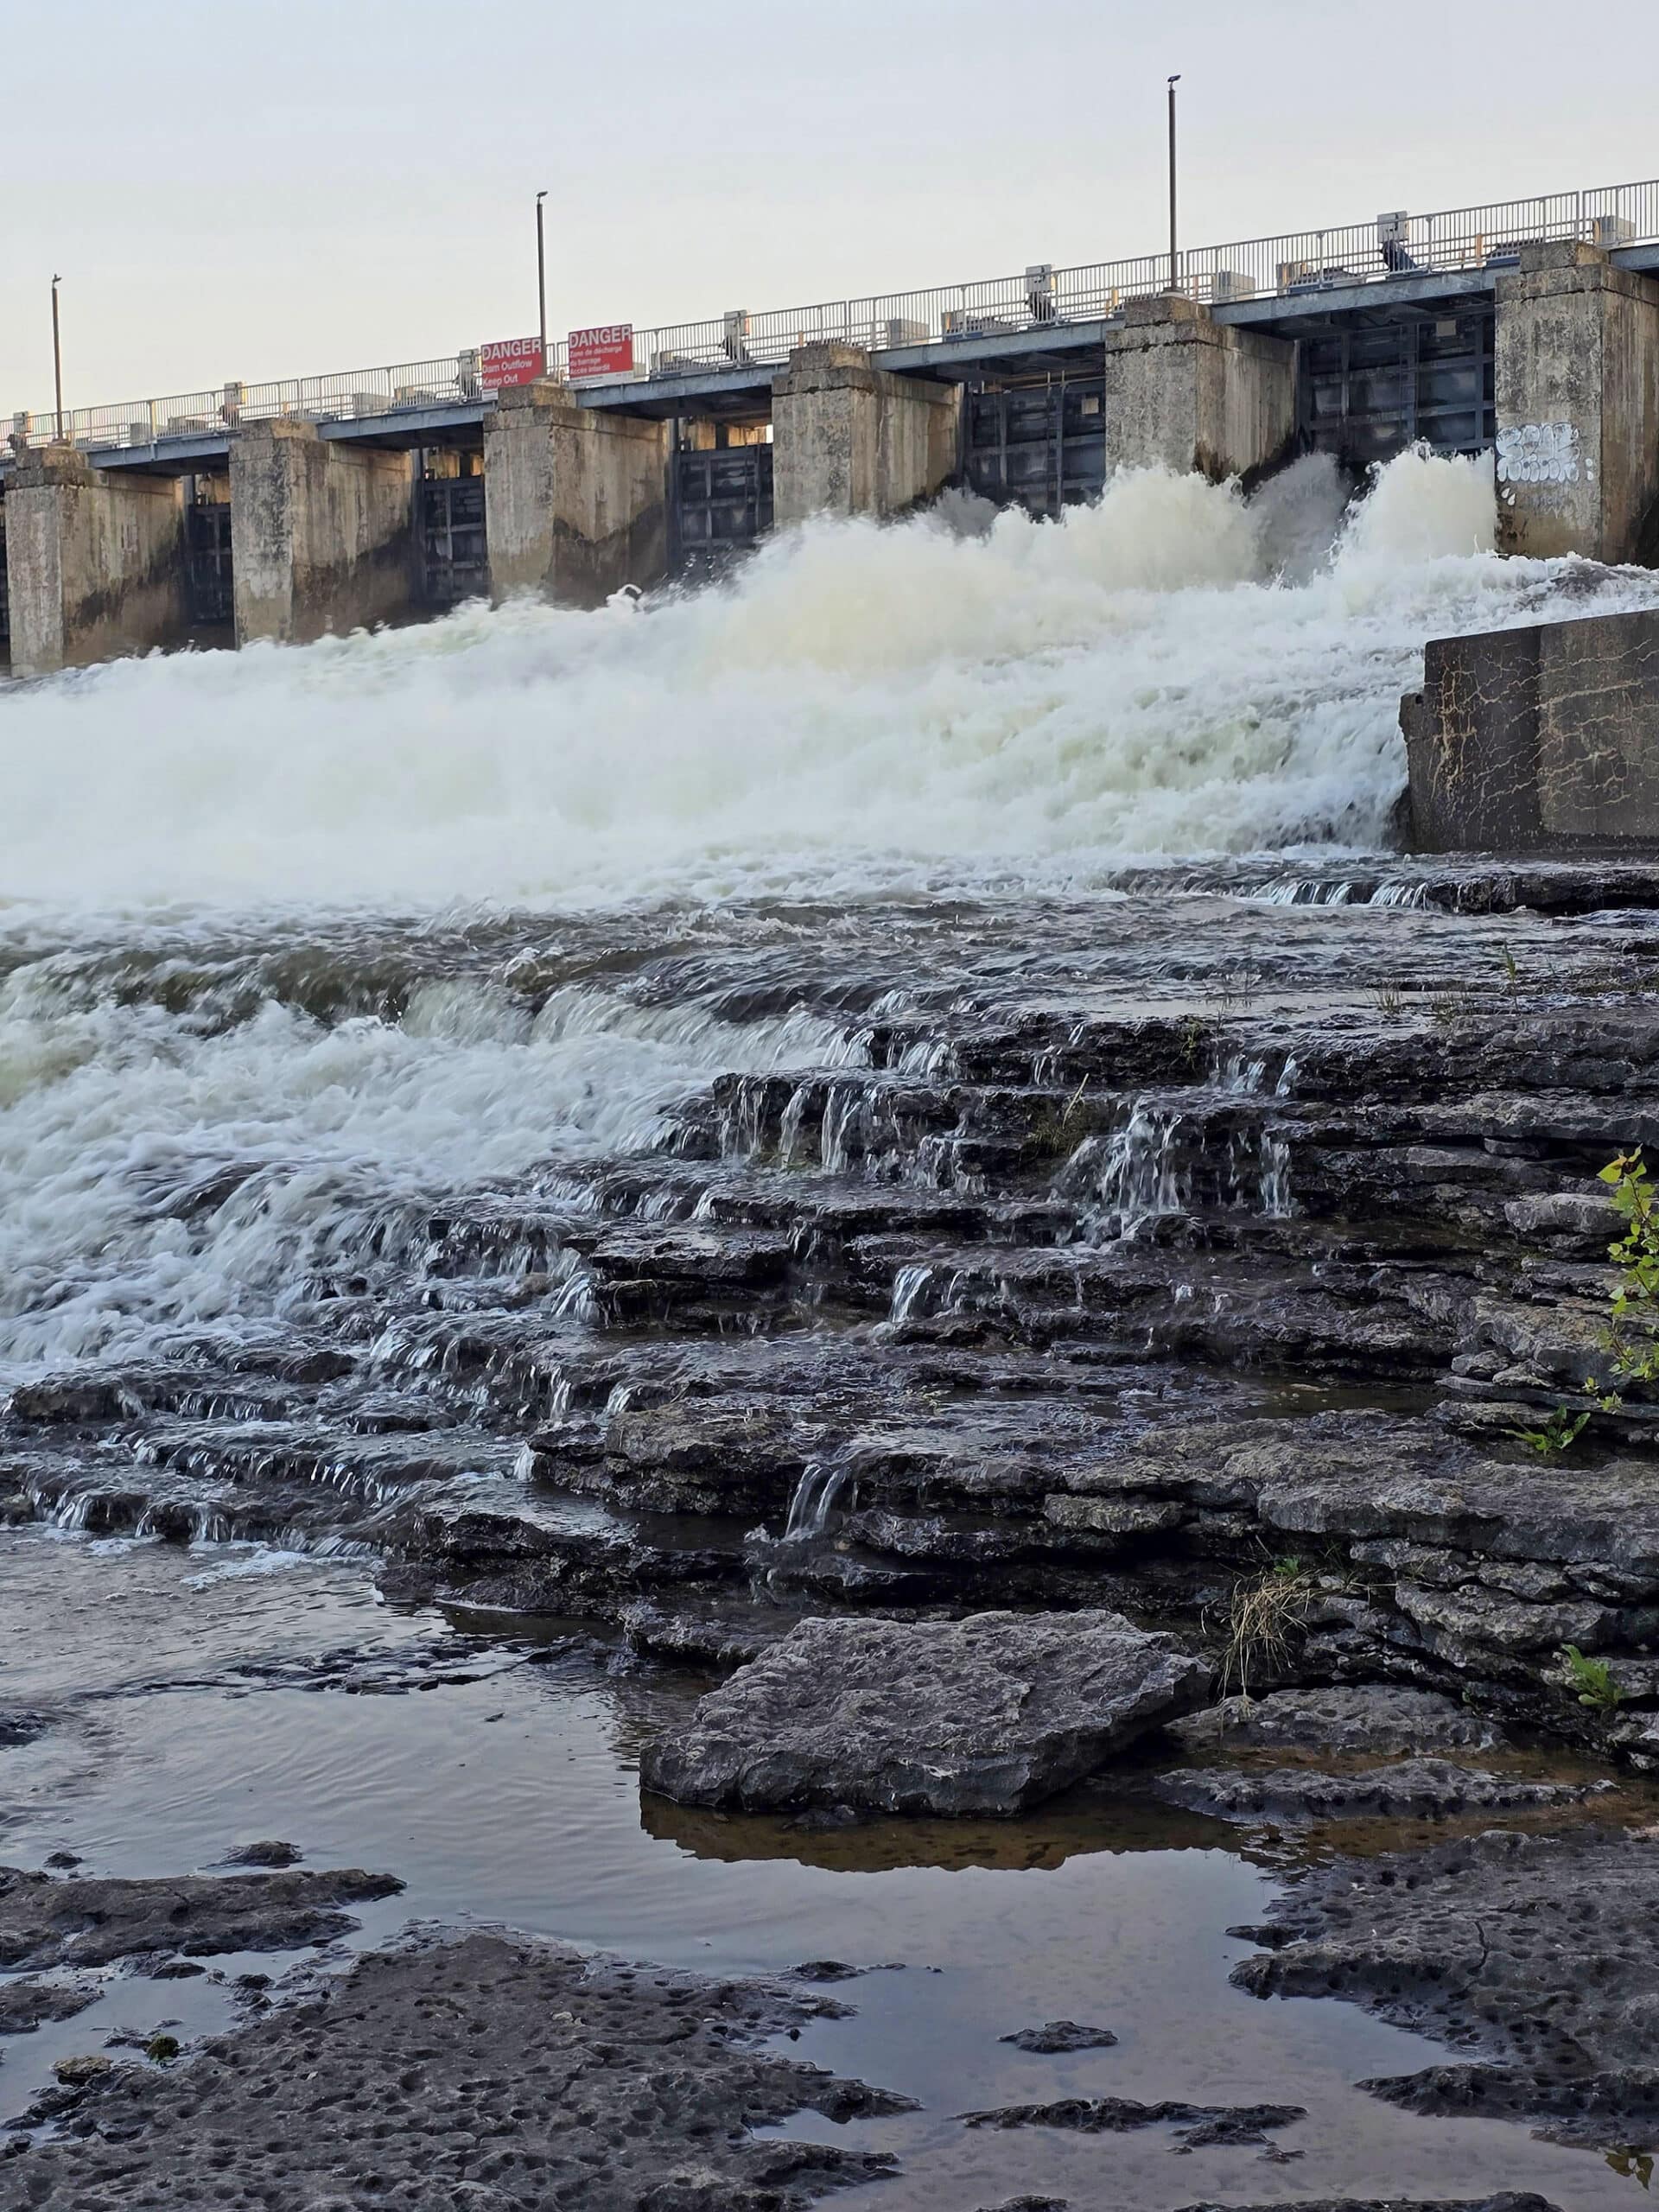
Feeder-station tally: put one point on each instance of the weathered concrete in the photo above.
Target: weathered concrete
(1192, 393)
(322, 533)
(95, 564)
(575, 500)
(1577, 389)
(1538, 738)
(851, 439)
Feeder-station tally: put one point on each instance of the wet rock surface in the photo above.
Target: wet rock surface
(26, 2003)
(982, 1258)
(90, 1920)
(1357, 1719)
(985, 1715)
(1406, 1789)
(488, 2071)
(1060, 2036)
(1059, 1267)
(1538, 1954)
(1505, 2200)
(1196, 2127)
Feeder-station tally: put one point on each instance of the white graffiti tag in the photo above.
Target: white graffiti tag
(1539, 453)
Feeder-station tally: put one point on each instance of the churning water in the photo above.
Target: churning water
(1173, 670)
(237, 1073)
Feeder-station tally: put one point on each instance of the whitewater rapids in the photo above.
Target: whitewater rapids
(1174, 671)
(299, 947)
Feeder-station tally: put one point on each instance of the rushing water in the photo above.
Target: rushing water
(864, 710)
(334, 982)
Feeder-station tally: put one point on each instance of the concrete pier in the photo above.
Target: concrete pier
(95, 564)
(1539, 740)
(1576, 366)
(575, 500)
(1187, 391)
(322, 533)
(851, 439)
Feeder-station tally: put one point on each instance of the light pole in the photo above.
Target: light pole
(57, 357)
(1173, 81)
(541, 274)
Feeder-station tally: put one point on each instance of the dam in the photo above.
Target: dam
(289, 511)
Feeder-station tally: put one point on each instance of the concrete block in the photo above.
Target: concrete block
(1577, 390)
(95, 562)
(322, 533)
(1471, 744)
(851, 439)
(1538, 739)
(1192, 393)
(576, 498)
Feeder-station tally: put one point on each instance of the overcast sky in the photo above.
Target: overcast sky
(235, 188)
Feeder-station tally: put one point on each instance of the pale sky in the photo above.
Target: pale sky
(235, 188)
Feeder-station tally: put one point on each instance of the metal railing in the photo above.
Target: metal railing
(1297, 261)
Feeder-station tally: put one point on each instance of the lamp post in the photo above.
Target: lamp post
(1173, 81)
(57, 357)
(541, 274)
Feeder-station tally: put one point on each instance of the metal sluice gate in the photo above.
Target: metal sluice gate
(719, 507)
(210, 578)
(1041, 447)
(455, 563)
(1370, 388)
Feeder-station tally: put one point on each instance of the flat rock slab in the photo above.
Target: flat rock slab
(492, 2073)
(1506, 2199)
(1197, 2126)
(1536, 1955)
(1408, 1790)
(1055, 2035)
(26, 2004)
(989, 1715)
(1362, 1719)
(1619, 2108)
(89, 1921)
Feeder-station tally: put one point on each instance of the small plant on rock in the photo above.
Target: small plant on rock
(1591, 1681)
(1633, 1333)
(1635, 1254)
(1554, 1434)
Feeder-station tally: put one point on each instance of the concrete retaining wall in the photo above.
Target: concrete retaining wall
(322, 533)
(1577, 385)
(95, 562)
(1194, 394)
(850, 439)
(1543, 739)
(576, 500)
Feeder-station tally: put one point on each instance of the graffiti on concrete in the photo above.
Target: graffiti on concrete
(1539, 453)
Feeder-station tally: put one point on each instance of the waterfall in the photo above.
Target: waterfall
(816, 1495)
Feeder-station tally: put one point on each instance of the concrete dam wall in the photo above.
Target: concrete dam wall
(1536, 740)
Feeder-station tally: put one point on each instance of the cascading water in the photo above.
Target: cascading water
(816, 1495)
(201, 1131)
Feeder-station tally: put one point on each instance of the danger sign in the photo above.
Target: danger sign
(509, 360)
(606, 350)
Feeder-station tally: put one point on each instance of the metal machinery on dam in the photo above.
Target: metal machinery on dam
(1523, 328)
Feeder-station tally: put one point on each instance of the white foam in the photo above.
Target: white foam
(346, 1139)
(1172, 671)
